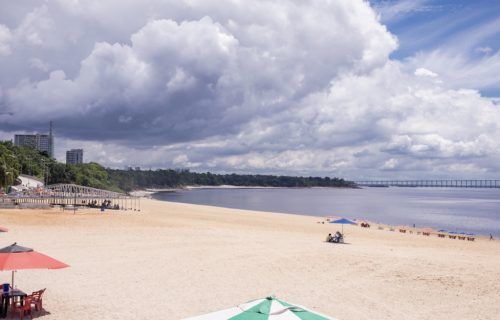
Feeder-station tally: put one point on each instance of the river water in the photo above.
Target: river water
(462, 210)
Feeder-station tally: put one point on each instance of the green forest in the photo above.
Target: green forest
(16, 160)
(132, 179)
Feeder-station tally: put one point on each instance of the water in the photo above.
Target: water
(463, 210)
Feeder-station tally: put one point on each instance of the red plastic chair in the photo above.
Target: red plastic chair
(23, 308)
(37, 299)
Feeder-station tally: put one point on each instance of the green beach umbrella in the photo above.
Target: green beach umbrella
(269, 308)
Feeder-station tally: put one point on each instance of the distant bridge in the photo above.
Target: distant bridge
(431, 183)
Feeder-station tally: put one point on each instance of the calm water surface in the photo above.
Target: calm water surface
(462, 210)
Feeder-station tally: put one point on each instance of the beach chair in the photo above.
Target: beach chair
(24, 308)
(37, 299)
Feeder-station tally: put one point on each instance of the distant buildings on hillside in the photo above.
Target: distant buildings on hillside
(74, 156)
(41, 142)
(128, 168)
(45, 143)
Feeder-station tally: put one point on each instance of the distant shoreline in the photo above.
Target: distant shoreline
(149, 191)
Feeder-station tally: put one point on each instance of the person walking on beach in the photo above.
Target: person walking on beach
(491, 237)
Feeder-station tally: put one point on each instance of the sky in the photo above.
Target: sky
(348, 88)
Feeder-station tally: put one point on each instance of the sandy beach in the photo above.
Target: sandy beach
(172, 261)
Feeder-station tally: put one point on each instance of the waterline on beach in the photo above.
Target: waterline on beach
(463, 210)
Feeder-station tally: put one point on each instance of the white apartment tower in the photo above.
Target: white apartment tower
(41, 142)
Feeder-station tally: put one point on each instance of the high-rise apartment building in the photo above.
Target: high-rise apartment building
(74, 156)
(41, 142)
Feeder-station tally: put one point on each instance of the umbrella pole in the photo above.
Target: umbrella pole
(12, 279)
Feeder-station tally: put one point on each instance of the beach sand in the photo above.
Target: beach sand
(174, 260)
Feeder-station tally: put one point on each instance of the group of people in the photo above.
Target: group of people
(106, 204)
(337, 238)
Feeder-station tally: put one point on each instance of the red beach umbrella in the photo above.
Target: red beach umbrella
(15, 257)
(2, 229)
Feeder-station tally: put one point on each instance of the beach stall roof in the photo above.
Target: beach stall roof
(269, 308)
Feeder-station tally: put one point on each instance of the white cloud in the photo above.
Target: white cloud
(485, 50)
(422, 72)
(387, 120)
(397, 10)
(39, 64)
(37, 27)
(5, 40)
(458, 70)
(229, 69)
(465, 59)
(390, 164)
(267, 86)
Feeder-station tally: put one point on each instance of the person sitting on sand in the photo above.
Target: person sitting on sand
(337, 237)
(329, 238)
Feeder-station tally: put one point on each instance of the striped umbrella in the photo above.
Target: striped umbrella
(269, 308)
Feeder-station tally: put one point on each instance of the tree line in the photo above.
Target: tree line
(140, 179)
(15, 160)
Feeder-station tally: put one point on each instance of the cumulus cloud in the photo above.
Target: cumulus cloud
(187, 79)
(39, 64)
(268, 86)
(5, 39)
(422, 72)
